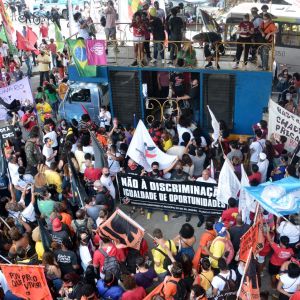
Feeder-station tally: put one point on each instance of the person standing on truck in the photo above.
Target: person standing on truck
(268, 30)
(110, 27)
(245, 31)
(256, 37)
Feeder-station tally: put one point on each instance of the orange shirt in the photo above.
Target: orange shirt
(268, 28)
(170, 288)
(205, 240)
(102, 140)
(67, 219)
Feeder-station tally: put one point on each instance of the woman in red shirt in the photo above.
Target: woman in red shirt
(139, 30)
(133, 292)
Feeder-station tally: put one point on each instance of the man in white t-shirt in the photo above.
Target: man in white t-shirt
(107, 182)
(219, 281)
(257, 147)
(84, 252)
(205, 177)
(48, 151)
(52, 135)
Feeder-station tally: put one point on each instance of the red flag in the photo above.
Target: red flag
(85, 111)
(249, 288)
(253, 238)
(26, 281)
(24, 44)
(123, 230)
(31, 37)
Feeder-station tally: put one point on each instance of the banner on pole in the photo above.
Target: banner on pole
(26, 281)
(122, 229)
(253, 238)
(283, 122)
(189, 197)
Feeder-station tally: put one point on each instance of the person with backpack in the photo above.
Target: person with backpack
(82, 223)
(224, 284)
(174, 287)
(160, 256)
(105, 258)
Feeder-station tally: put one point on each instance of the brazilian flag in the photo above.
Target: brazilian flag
(78, 52)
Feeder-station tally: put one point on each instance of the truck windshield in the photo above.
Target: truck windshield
(78, 94)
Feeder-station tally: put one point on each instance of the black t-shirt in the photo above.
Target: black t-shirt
(178, 84)
(66, 260)
(157, 29)
(58, 236)
(236, 232)
(102, 199)
(136, 171)
(179, 177)
(195, 97)
(158, 175)
(175, 27)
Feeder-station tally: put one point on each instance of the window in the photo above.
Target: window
(290, 35)
(80, 95)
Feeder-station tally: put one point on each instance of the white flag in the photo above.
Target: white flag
(215, 125)
(228, 185)
(244, 198)
(143, 150)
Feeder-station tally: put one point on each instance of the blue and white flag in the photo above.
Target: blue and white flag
(280, 197)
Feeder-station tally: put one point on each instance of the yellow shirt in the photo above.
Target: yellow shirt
(44, 62)
(42, 109)
(167, 144)
(53, 177)
(206, 278)
(39, 249)
(159, 257)
(217, 249)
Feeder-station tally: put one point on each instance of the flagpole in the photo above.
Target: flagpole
(243, 277)
(9, 262)
(5, 223)
(70, 13)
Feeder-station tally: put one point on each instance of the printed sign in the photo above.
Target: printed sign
(26, 281)
(190, 197)
(6, 133)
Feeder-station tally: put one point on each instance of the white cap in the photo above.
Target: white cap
(262, 156)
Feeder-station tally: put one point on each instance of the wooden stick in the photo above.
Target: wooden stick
(152, 237)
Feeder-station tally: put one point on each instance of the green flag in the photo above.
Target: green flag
(60, 43)
(78, 52)
(3, 37)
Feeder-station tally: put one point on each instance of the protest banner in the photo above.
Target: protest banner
(6, 132)
(27, 282)
(253, 238)
(189, 197)
(249, 288)
(283, 122)
(122, 229)
(19, 90)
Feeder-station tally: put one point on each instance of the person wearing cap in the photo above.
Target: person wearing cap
(245, 31)
(217, 247)
(263, 165)
(58, 233)
(158, 33)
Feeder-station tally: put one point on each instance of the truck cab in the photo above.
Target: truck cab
(83, 95)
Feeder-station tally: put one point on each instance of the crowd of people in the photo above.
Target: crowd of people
(81, 262)
(77, 264)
